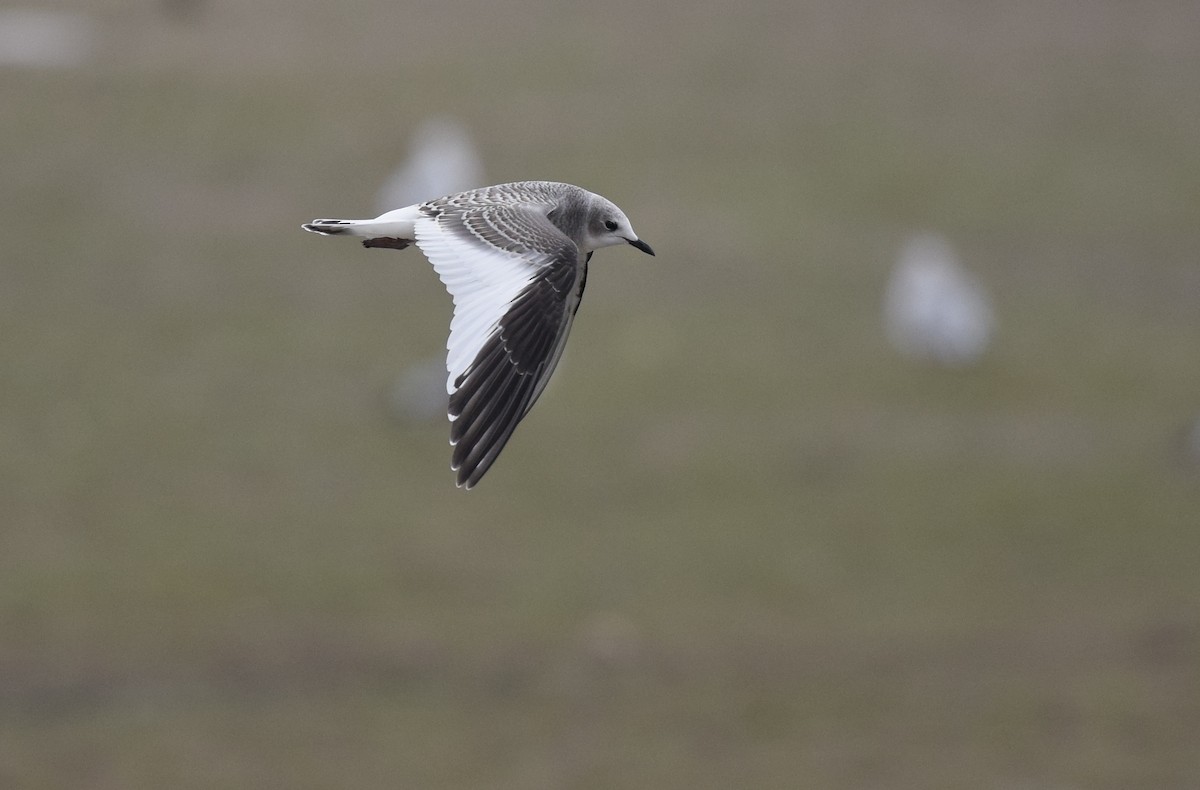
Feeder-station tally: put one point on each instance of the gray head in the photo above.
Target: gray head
(607, 225)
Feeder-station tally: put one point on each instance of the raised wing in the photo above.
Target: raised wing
(514, 279)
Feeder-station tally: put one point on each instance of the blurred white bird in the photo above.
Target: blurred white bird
(442, 160)
(418, 392)
(934, 310)
(34, 38)
(1187, 443)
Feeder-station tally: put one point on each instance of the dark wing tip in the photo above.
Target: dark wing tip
(500, 386)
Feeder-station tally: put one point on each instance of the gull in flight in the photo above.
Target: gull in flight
(514, 258)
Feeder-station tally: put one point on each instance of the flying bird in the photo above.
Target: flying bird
(514, 258)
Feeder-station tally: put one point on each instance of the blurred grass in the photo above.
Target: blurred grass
(739, 543)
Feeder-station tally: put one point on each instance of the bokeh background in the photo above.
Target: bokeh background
(741, 542)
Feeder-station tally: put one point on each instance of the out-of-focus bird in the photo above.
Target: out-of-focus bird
(418, 392)
(1187, 443)
(934, 310)
(43, 38)
(442, 160)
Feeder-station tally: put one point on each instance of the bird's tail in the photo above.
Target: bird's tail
(328, 227)
(395, 229)
(374, 233)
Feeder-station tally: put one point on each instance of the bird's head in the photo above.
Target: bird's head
(607, 225)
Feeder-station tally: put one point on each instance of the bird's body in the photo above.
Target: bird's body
(514, 258)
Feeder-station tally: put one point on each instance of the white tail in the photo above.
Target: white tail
(327, 227)
(396, 224)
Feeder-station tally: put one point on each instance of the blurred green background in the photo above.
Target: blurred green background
(740, 542)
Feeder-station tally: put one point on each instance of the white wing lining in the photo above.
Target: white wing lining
(482, 280)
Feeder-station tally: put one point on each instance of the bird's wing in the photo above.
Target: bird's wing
(514, 279)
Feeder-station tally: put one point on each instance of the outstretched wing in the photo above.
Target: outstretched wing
(514, 278)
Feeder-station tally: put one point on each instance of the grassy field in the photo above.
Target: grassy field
(739, 543)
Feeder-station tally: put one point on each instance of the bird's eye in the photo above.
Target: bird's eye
(610, 225)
